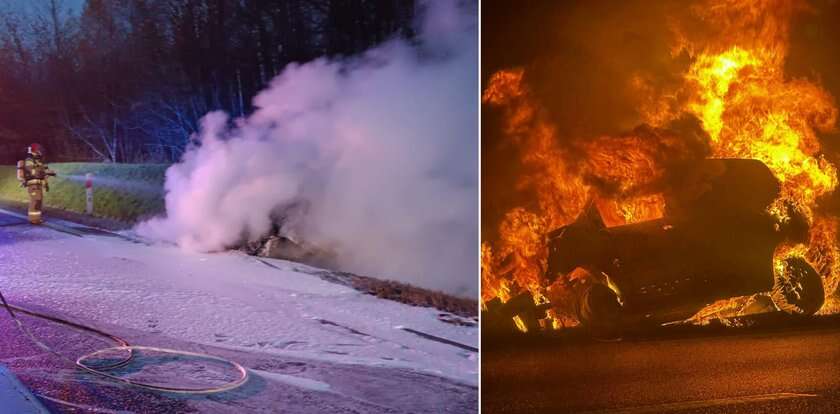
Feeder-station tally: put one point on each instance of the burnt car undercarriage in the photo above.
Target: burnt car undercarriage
(716, 240)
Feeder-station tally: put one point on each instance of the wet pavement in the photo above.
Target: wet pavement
(791, 370)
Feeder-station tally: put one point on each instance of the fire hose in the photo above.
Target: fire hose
(123, 346)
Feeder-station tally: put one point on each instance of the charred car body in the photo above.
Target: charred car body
(716, 240)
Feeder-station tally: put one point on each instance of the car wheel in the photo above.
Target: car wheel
(798, 290)
(599, 308)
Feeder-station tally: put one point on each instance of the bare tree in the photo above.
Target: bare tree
(100, 138)
(129, 80)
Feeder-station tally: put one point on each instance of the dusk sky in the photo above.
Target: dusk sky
(75, 5)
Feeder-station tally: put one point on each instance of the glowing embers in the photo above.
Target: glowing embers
(631, 210)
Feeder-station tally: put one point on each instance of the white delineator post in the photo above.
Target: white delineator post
(89, 193)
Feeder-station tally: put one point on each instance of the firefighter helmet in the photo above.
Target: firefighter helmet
(35, 149)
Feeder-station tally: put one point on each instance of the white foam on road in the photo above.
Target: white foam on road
(225, 299)
(294, 381)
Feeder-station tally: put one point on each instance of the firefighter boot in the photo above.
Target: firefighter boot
(36, 197)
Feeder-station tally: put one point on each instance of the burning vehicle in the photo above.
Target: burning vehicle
(701, 191)
(720, 243)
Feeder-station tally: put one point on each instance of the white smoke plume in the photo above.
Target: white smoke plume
(380, 150)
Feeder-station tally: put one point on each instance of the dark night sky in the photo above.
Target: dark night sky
(578, 55)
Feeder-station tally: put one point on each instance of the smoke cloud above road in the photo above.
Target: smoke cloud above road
(372, 157)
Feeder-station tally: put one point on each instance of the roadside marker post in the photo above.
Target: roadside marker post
(89, 193)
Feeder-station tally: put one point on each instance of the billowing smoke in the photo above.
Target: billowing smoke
(372, 157)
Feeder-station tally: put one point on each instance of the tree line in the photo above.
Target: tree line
(129, 80)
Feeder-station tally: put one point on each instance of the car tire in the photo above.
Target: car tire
(599, 309)
(799, 289)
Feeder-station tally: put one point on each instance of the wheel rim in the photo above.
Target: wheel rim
(798, 289)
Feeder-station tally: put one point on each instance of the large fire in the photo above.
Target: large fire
(737, 89)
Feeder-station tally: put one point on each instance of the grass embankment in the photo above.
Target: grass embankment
(123, 192)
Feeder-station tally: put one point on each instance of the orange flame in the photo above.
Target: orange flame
(735, 86)
(624, 164)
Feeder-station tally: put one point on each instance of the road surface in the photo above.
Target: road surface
(795, 371)
(309, 346)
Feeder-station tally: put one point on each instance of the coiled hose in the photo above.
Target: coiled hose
(123, 345)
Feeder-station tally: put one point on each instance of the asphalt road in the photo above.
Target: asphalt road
(277, 383)
(795, 371)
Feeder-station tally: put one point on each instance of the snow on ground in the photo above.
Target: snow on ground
(224, 299)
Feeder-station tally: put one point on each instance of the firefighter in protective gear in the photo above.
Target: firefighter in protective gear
(32, 174)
